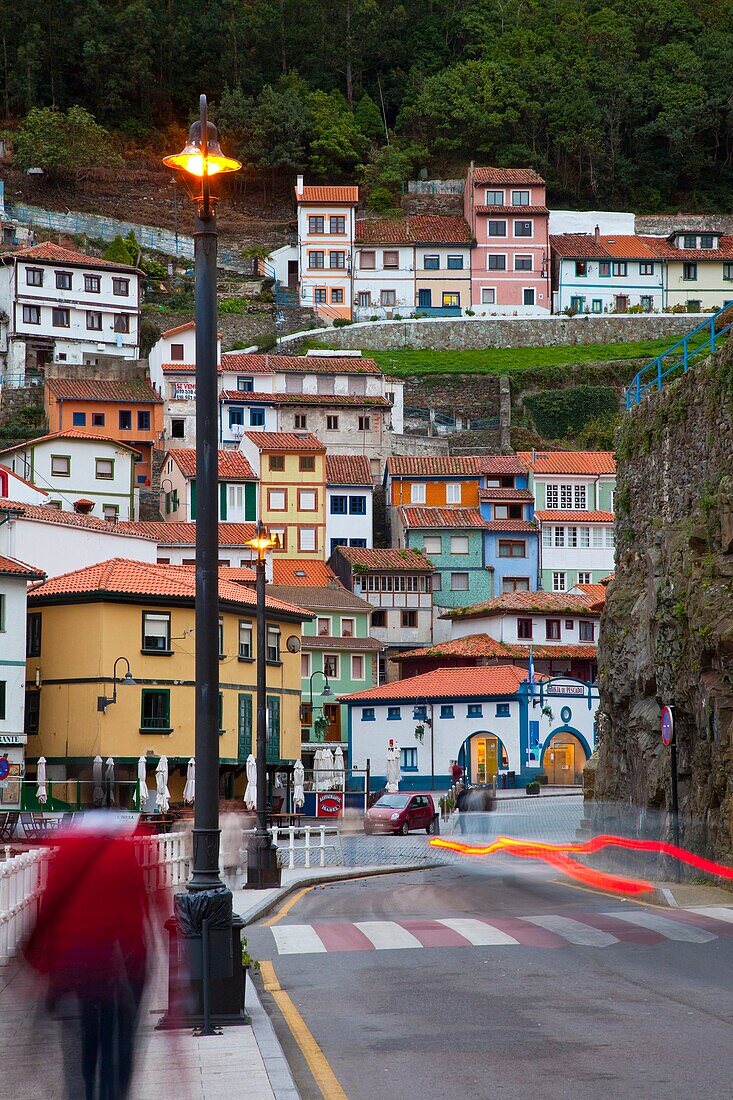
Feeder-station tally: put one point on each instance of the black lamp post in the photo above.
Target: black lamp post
(325, 694)
(262, 866)
(102, 701)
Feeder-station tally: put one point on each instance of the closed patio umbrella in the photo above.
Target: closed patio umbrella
(41, 792)
(299, 781)
(327, 769)
(109, 778)
(97, 788)
(339, 773)
(189, 791)
(142, 775)
(162, 794)
(250, 794)
(318, 770)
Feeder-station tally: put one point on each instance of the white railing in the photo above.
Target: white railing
(164, 860)
(318, 838)
(22, 880)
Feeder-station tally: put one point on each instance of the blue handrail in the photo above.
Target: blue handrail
(653, 375)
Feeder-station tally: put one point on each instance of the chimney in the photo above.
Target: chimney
(299, 186)
(597, 234)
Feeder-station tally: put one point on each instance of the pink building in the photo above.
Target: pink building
(506, 210)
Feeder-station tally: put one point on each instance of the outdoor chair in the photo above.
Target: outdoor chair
(8, 823)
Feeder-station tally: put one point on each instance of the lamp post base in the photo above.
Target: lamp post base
(263, 870)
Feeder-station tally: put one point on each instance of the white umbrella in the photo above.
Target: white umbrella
(97, 789)
(393, 768)
(250, 794)
(189, 791)
(162, 794)
(109, 778)
(339, 772)
(317, 766)
(142, 775)
(327, 769)
(298, 781)
(41, 793)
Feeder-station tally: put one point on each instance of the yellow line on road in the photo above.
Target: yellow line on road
(286, 907)
(318, 1064)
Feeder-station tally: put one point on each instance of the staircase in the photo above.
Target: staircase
(703, 340)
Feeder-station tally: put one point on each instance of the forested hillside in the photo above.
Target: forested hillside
(619, 103)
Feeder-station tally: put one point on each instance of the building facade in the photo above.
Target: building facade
(511, 539)
(697, 268)
(453, 540)
(237, 487)
(349, 502)
(291, 467)
(326, 225)
(594, 273)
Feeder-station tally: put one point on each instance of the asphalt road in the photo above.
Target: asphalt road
(599, 999)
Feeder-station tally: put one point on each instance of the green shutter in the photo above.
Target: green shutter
(193, 499)
(250, 502)
(222, 501)
(273, 728)
(244, 728)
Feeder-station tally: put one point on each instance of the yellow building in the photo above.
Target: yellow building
(697, 268)
(291, 467)
(144, 613)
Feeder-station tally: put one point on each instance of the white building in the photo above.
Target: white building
(237, 487)
(81, 473)
(172, 365)
(18, 710)
(349, 502)
(533, 618)
(64, 307)
(15, 487)
(575, 547)
(326, 227)
(592, 273)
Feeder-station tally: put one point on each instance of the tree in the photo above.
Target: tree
(60, 143)
(337, 143)
(369, 120)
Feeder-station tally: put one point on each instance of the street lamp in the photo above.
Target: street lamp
(325, 694)
(102, 701)
(262, 866)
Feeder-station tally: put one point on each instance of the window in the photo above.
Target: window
(94, 321)
(394, 714)
(307, 463)
(552, 630)
(34, 276)
(33, 635)
(604, 269)
(520, 198)
(357, 506)
(331, 665)
(455, 263)
(512, 548)
(451, 299)
(111, 512)
(277, 500)
(515, 584)
(280, 535)
(32, 712)
(245, 384)
(522, 263)
(474, 710)
(524, 629)
(528, 296)
(121, 287)
(379, 618)
(316, 259)
(143, 421)
(273, 644)
(364, 299)
(446, 710)
(332, 423)
(586, 631)
(596, 305)
(559, 582)
(459, 544)
(337, 296)
(497, 229)
(338, 506)
(156, 632)
(368, 260)
(32, 315)
(707, 240)
(580, 497)
(646, 269)
(307, 538)
(176, 353)
(572, 536)
(453, 492)
(316, 224)
(63, 280)
(301, 421)
(221, 639)
(408, 619)
(367, 714)
(488, 296)
(307, 500)
(347, 627)
(92, 284)
(559, 536)
(388, 297)
(523, 229)
(122, 322)
(337, 224)
(79, 419)
(581, 269)
(155, 710)
(236, 415)
(432, 544)
(598, 536)
(551, 496)
(502, 710)
(417, 492)
(494, 198)
(728, 272)
(61, 465)
(178, 429)
(689, 240)
(125, 420)
(104, 469)
(646, 302)
(305, 667)
(459, 582)
(408, 759)
(357, 666)
(364, 423)
(431, 263)
(496, 263)
(276, 463)
(61, 318)
(620, 269)
(391, 258)
(689, 272)
(337, 260)
(569, 624)
(584, 578)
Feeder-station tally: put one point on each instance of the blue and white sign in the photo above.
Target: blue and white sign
(667, 726)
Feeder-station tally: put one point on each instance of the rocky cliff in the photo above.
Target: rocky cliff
(667, 631)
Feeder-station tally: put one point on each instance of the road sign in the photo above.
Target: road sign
(667, 725)
(4, 768)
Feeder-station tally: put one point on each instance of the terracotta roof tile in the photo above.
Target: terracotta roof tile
(326, 643)
(473, 645)
(490, 174)
(184, 534)
(559, 652)
(330, 400)
(569, 462)
(68, 433)
(54, 253)
(483, 681)
(539, 602)
(432, 518)
(297, 364)
(585, 246)
(434, 465)
(348, 470)
(315, 574)
(233, 466)
(387, 560)
(327, 597)
(416, 229)
(240, 574)
(553, 515)
(511, 525)
(510, 211)
(347, 195)
(285, 441)
(181, 368)
(12, 567)
(495, 493)
(134, 391)
(666, 250)
(46, 514)
(596, 593)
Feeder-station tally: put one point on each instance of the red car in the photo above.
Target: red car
(398, 813)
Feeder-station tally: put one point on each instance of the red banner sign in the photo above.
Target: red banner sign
(329, 804)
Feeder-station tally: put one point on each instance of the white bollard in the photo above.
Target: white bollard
(323, 846)
(291, 853)
(307, 845)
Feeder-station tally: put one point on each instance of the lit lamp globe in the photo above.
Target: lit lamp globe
(199, 158)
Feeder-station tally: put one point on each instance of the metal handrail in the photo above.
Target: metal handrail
(653, 375)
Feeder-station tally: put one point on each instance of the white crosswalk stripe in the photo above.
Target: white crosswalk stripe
(573, 931)
(672, 929)
(718, 912)
(297, 939)
(476, 932)
(386, 935)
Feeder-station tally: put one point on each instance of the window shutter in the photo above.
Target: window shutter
(273, 728)
(222, 500)
(244, 728)
(193, 499)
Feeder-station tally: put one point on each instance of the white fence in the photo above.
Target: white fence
(164, 860)
(316, 839)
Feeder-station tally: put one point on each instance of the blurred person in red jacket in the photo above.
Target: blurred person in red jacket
(90, 943)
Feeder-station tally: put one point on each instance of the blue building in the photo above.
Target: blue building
(511, 538)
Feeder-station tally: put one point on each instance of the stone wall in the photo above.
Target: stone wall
(661, 225)
(667, 630)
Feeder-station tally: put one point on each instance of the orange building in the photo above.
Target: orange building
(129, 411)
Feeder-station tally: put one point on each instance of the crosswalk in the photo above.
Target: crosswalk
(635, 925)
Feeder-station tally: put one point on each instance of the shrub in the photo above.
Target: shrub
(381, 200)
(341, 322)
(557, 413)
(233, 305)
(154, 269)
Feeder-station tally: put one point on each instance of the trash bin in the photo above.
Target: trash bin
(503, 781)
(511, 780)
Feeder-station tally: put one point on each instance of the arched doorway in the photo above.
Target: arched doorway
(564, 758)
(483, 755)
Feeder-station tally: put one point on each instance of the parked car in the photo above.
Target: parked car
(398, 813)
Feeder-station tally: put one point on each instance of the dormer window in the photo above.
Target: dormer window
(707, 240)
(689, 240)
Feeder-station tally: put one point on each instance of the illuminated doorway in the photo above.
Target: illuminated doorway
(488, 756)
(564, 760)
